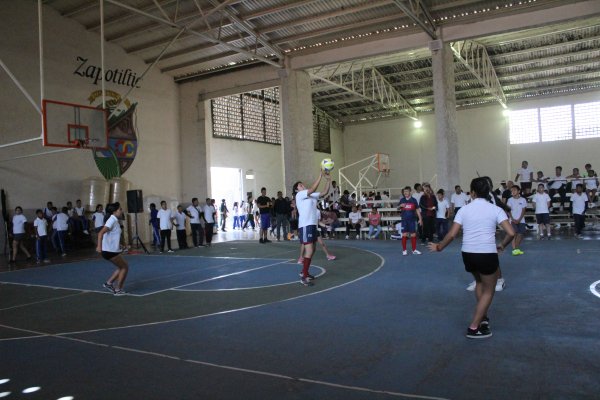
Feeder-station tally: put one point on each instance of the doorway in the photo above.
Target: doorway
(226, 183)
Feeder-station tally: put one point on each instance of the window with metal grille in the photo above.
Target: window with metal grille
(587, 120)
(248, 116)
(557, 123)
(322, 140)
(524, 126)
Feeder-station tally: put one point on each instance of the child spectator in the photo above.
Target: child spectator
(525, 173)
(61, 222)
(442, 215)
(517, 205)
(73, 221)
(236, 216)
(98, 218)
(374, 223)
(80, 213)
(242, 213)
(165, 217)
(41, 233)
(180, 230)
(591, 187)
(588, 167)
(209, 214)
(543, 180)
(507, 194)
(579, 200)
(397, 231)
(458, 199)
(428, 205)
(48, 212)
(541, 202)
(354, 221)
(576, 179)
(195, 212)
(18, 234)
(155, 223)
(558, 185)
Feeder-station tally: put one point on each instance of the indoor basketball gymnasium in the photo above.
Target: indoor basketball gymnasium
(299, 199)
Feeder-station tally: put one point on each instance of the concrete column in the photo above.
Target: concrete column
(195, 148)
(297, 142)
(445, 118)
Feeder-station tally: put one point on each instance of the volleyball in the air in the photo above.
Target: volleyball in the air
(327, 164)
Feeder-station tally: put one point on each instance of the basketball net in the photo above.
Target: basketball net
(87, 144)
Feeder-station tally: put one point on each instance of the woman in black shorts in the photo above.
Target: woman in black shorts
(479, 250)
(109, 240)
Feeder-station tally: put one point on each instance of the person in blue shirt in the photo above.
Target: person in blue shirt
(155, 222)
(410, 212)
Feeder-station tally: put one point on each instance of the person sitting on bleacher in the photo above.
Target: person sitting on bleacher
(591, 187)
(507, 194)
(374, 223)
(576, 179)
(354, 221)
(541, 179)
(345, 202)
(558, 184)
(331, 220)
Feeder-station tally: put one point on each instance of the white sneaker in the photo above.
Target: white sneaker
(347, 237)
(86, 232)
(171, 251)
(417, 252)
(405, 253)
(500, 285)
(357, 237)
(471, 287)
(369, 237)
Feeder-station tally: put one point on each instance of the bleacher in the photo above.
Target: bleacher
(389, 216)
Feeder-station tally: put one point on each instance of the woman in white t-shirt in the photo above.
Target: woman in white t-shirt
(98, 218)
(109, 241)
(236, 216)
(591, 187)
(18, 234)
(480, 252)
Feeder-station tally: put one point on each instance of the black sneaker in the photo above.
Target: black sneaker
(306, 282)
(309, 276)
(478, 333)
(267, 241)
(261, 241)
(485, 324)
(110, 287)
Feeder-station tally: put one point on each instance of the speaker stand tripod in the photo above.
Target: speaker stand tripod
(136, 239)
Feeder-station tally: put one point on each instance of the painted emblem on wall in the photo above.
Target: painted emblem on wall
(122, 135)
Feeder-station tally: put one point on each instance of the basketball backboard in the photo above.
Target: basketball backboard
(68, 125)
(383, 162)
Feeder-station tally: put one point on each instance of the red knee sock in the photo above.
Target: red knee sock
(404, 242)
(414, 242)
(306, 266)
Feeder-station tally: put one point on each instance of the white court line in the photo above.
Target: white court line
(245, 370)
(56, 287)
(593, 288)
(42, 301)
(255, 287)
(232, 311)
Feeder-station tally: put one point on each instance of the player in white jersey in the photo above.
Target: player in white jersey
(308, 220)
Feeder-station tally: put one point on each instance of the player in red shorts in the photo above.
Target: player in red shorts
(410, 211)
(308, 222)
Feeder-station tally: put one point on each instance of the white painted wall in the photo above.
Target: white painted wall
(32, 182)
(483, 141)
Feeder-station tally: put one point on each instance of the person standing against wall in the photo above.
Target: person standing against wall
(194, 212)
(166, 226)
(458, 200)
(224, 211)
(265, 215)
(428, 206)
(281, 207)
(209, 213)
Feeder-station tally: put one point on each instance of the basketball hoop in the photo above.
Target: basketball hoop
(85, 143)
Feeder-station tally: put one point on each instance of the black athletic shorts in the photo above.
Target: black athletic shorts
(543, 218)
(107, 255)
(525, 185)
(484, 263)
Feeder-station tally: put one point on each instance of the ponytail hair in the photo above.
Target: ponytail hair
(499, 203)
(111, 208)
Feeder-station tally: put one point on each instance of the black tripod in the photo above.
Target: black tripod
(136, 238)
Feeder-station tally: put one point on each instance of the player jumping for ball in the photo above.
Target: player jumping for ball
(410, 210)
(306, 203)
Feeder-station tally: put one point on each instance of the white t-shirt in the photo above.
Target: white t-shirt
(61, 222)
(98, 219)
(542, 183)
(334, 193)
(48, 212)
(307, 208)
(459, 200)
(525, 174)
(557, 183)
(416, 196)
(111, 239)
(195, 219)
(165, 218)
(579, 202)
(19, 224)
(541, 203)
(442, 206)
(591, 183)
(80, 211)
(41, 225)
(354, 217)
(479, 219)
(208, 214)
(180, 218)
(517, 206)
(70, 212)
